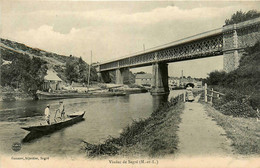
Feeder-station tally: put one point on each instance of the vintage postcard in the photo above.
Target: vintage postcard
(130, 84)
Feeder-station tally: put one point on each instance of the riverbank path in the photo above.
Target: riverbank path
(199, 134)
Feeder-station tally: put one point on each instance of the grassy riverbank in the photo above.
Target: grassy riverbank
(244, 132)
(155, 136)
(10, 94)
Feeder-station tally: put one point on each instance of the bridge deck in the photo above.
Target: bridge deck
(206, 44)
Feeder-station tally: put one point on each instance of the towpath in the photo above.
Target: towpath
(199, 134)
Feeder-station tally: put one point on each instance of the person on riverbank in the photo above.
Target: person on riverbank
(189, 88)
(189, 94)
(61, 110)
(47, 114)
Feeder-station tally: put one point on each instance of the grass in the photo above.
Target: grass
(159, 136)
(244, 132)
(154, 136)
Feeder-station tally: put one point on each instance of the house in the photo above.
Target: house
(194, 82)
(143, 79)
(176, 82)
(185, 81)
(173, 82)
(6, 62)
(51, 81)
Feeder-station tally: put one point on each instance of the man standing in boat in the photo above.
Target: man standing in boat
(61, 110)
(47, 114)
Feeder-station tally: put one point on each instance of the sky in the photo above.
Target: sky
(112, 29)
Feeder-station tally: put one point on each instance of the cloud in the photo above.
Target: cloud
(111, 32)
(64, 21)
(161, 14)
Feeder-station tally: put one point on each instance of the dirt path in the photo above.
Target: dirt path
(199, 135)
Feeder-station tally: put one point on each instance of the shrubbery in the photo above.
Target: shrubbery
(235, 104)
(238, 109)
(241, 86)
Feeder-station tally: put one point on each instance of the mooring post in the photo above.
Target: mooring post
(205, 87)
(184, 96)
(211, 98)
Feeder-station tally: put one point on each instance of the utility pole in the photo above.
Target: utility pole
(89, 66)
(181, 77)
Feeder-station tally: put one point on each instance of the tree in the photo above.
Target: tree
(72, 70)
(28, 73)
(77, 70)
(83, 71)
(240, 16)
(215, 77)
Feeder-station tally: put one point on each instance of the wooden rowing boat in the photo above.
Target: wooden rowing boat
(72, 119)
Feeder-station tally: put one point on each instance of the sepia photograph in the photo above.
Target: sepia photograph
(155, 84)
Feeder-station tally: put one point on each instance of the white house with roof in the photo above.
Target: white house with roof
(144, 79)
(52, 81)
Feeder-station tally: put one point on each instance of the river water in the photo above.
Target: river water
(104, 117)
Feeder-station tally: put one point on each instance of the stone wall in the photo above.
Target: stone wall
(249, 36)
(236, 38)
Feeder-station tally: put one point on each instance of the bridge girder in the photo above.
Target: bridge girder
(229, 41)
(209, 46)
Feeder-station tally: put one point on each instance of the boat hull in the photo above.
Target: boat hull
(55, 126)
(47, 96)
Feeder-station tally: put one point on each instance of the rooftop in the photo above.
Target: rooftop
(52, 76)
(143, 76)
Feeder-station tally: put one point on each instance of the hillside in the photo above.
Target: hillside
(24, 67)
(10, 50)
(15, 47)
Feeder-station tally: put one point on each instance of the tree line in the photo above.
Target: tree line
(77, 70)
(24, 72)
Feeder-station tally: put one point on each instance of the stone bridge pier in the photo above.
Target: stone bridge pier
(160, 79)
(104, 77)
(236, 38)
(122, 75)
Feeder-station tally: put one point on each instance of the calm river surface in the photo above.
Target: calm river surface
(104, 117)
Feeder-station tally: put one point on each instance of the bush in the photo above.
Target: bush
(215, 77)
(217, 103)
(254, 101)
(237, 109)
(233, 95)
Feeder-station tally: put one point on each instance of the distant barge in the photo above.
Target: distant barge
(49, 95)
(131, 90)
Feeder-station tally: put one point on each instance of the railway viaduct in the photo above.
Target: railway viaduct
(229, 41)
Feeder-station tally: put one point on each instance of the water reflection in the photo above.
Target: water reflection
(104, 117)
(32, 136)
